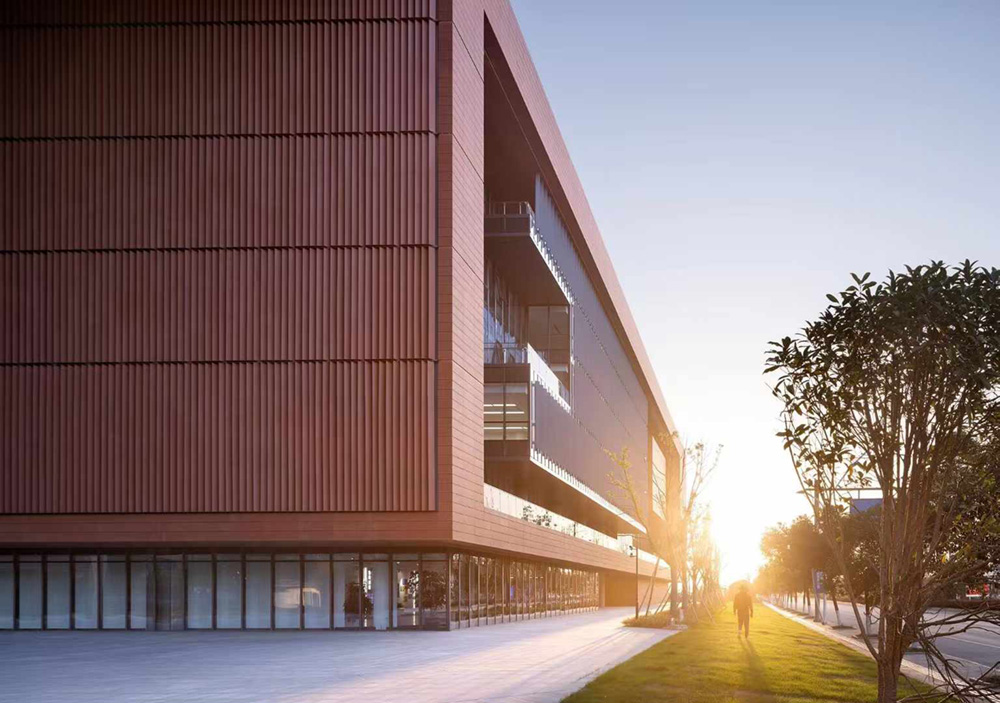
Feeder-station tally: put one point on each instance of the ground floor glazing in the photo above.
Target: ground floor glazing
(265, 590)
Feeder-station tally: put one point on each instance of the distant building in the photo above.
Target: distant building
(863, 505)
(305, 322)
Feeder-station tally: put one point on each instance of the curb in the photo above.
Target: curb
(913, 670)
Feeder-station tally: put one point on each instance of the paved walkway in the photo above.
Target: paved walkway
(529, 662)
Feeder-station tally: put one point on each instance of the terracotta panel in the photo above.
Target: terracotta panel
(194, 193)
(241, 79)
(217, 438)
(61, 13)
(212, 305)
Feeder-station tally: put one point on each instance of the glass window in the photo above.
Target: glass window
(500, 584)
(316, 592)
(114, 592)
(30, 593)
(258, 600)
(85, 582)
(229, 592)
(434, 594)
(484, 589)
(515, 591)
(463, 579)
(490, 591)
(57, 592)
(493, 411)
(199, 595)
(6, 593)
(346, 594)
(287, 594)
(406, 587)
(375, 602)
(456, 581)
(516, 411)
(529, 589)
(143, 602)
(474, 590)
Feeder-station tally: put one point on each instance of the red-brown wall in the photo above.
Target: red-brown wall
(242, 254)
(218, 269)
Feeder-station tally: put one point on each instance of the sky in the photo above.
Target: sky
(742, 159)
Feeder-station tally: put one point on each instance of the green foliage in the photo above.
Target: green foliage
(781, 661)
(656, 620)
(897, 386)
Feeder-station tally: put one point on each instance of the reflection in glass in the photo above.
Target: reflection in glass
(455, 587)
(484, 589)
(474, 591)
(6, 593)
(287, 594)
(346, 595)
(30, 593)
(114, 592)
(228, 593)
(143, 603)
(375, 597)
(57, 592)
(258, 594)
(406, 604)
(434, 594)
(85, 583)
(316, 594)
(199, 595)
(463, 579)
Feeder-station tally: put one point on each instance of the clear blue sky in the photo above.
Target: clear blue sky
(743, 157)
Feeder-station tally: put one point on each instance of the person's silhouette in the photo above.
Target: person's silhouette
(743, 607)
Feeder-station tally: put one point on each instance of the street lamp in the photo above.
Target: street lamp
(633, 551)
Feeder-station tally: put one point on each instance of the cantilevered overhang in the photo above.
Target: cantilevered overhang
(513, 245)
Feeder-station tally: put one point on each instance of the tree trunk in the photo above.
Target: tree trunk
(836, 608)
(673, 596)
(888, 681)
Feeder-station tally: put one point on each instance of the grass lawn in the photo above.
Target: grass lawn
(782, 661)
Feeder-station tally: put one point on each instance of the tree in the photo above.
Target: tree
(895, 386)
(681, 504)
(794, 552)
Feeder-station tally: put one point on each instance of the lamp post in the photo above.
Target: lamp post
(633, 547)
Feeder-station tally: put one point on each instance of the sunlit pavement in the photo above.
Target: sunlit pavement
(535, 661)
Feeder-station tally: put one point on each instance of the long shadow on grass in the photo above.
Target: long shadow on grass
(757, 680)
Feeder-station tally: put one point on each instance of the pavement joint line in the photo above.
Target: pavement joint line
(925, 674)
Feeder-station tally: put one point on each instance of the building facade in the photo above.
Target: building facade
(305, 322)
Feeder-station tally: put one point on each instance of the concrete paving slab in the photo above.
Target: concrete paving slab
(538, 661)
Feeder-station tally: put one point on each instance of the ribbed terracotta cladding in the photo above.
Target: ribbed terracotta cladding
(240, 79)
(92, 12)
(217, 437)
(217, 192)
(218, 256)
(236, 305)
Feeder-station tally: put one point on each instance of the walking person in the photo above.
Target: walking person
(743, 607)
